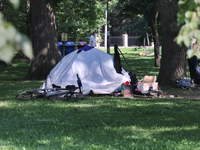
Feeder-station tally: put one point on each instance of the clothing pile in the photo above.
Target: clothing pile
(184, 83)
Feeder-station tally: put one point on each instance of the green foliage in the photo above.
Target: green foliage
(138, 15)
(189, 15)
(15, 3)
(53, 3)
(79, 19)
(116, 18)
(18, 17)
(12, 40)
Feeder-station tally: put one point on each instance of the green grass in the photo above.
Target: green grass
(141, 65)
(110, 123)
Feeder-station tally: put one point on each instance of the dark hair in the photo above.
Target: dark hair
(93, 33)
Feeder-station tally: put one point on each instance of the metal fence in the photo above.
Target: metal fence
(120, 41)
(132, 40)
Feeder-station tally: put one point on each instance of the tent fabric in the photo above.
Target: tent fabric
(85, 48)
(95, 69)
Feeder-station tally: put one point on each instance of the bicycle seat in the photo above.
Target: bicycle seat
(55, 86)
(71, 87)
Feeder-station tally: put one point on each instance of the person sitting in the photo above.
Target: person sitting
(194, 69)
(197, 68)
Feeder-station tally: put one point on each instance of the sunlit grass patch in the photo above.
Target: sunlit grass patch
(96, 122)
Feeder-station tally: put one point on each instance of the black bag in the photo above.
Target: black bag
(117, 61)
(134, 79)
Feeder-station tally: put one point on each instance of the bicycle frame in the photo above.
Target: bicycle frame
(55, 92)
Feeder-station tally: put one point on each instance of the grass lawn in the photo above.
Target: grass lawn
(103, 123)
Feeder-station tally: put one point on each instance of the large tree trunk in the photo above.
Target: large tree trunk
(173, 61)
(154, 17)
(28, 19)
(44, 40)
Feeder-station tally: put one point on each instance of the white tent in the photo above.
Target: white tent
(94, 67)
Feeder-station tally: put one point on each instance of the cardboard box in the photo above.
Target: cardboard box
(146, 86)
(149, 79)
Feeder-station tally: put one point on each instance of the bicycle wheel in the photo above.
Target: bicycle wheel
(31, 94)
(75, 96)
(57, 94)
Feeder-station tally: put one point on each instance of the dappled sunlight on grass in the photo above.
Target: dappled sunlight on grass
(141, 65)
(96, 122)
(101, 123)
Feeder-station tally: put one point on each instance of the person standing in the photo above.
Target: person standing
(92, 40)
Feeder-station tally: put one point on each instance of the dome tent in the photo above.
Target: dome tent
(94, 67)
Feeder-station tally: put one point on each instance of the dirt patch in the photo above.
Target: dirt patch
(185, 94)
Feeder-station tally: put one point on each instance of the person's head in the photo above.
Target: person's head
(94, 33)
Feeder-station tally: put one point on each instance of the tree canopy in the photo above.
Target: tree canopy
(11, 39)
(189, 15)
(79, 18)
(138, 14)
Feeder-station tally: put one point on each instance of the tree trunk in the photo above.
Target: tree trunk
(44, 40)
(154, 17)
(173, 61)
(28, 19)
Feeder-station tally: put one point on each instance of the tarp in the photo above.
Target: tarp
(94, 67)
(69, 47)
(70, 44)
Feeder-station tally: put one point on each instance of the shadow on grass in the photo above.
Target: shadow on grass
(141, 65)
(13, 73)
(98, 122)
(101, 123)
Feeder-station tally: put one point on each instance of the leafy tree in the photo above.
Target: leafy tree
(79, 18)
(125, 19)
(11, 39)
(144, 14)
(189, 14)
(115, 22)
(19, 17)
(154, 29)
(173, 62)
(44, 40)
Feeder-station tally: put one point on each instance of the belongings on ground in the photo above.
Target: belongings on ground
(148, 86)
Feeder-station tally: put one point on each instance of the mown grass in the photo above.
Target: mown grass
(96, 122)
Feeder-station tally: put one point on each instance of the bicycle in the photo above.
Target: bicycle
(69, 92)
